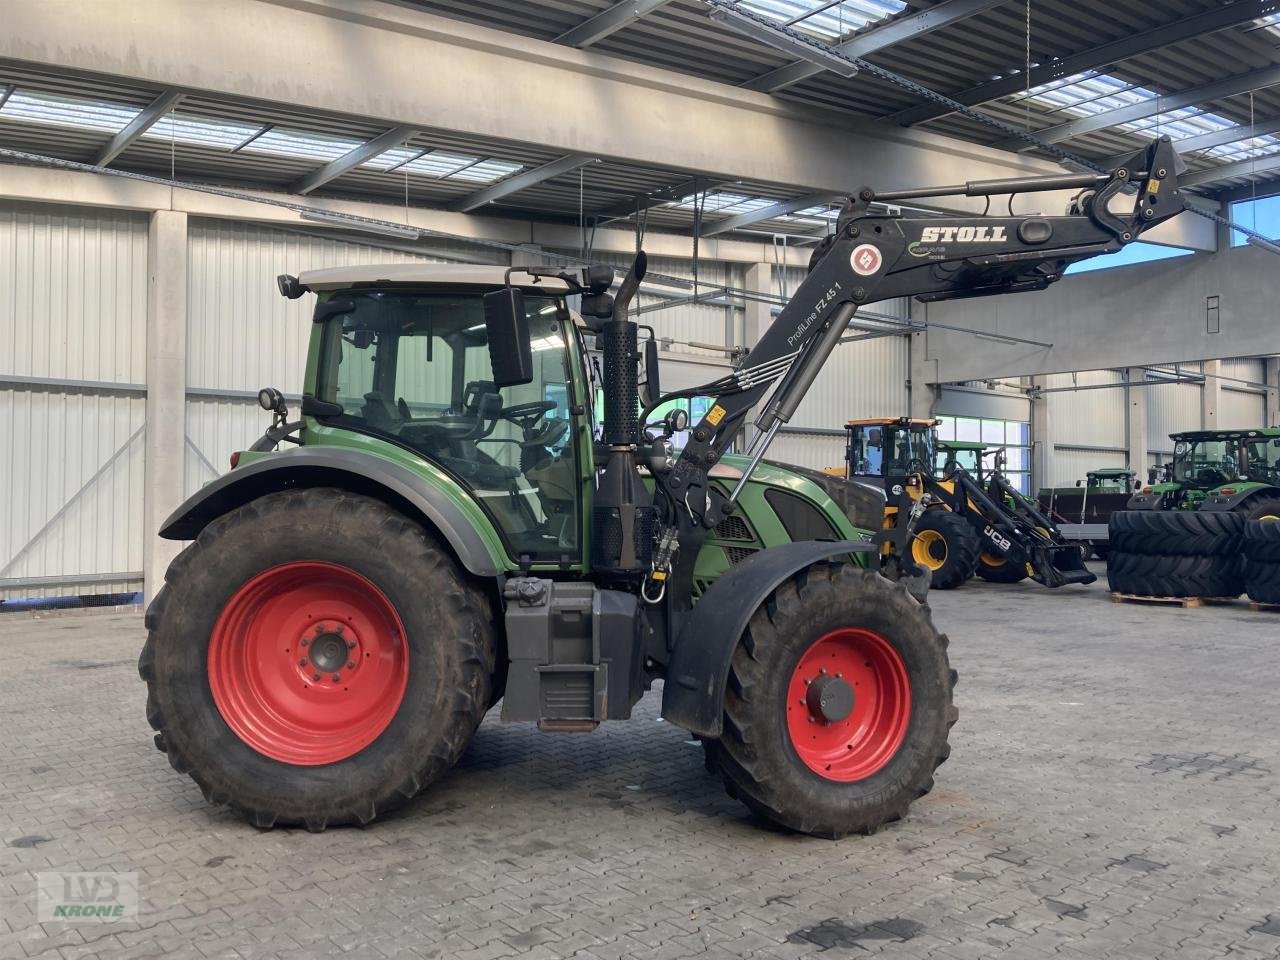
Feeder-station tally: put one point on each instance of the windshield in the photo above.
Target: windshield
(1109, 483)
(414, 368)
(1206, 463)
(948, 458)
(1262, 459)
(889, 450)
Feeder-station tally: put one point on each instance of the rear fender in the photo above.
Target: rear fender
(693, 693)
(411, 493)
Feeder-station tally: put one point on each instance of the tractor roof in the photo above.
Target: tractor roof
(1111, 472)
(420, 274)
(1226, 434)
(890, 422)
(961, 445)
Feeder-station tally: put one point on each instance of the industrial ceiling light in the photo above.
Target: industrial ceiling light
(814, 53)
(381, 227)
(1270, 246)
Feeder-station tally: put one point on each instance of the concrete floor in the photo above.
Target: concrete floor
(1113, 791)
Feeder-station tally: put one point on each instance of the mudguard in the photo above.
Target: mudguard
(1225, 503)
(349, 469)
(693, 694)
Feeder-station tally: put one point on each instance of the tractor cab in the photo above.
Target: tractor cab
(890, 448)
(1109, 480)
(964, 454)
(1215, 470)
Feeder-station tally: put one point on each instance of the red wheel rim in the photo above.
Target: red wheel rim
(848, 705)
(308, 663)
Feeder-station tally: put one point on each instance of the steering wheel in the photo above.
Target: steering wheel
(526, 415)
(550, 434)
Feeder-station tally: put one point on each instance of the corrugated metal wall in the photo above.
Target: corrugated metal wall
(73, 309)
(1171, 407)
(1083, 423)
(1240, 409)
(242, 335)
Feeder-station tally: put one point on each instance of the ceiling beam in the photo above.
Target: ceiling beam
(353, 158)
(1229, 171)
(779, 209)
(1207, 141)
(136, 127)
(521, 181)
(609, 21)
(1240, 83)
(877, 38)
(1220, 18)
(657, 198)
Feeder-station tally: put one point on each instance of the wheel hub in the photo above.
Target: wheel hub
(829, 698)
(330, 650)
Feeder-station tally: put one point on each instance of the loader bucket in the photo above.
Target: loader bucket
(1058, 564)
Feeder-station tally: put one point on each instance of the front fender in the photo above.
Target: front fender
(353, 470)
(693, 694)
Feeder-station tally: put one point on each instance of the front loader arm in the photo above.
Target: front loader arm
(876, 256)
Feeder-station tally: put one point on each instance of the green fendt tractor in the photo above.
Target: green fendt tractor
(446, 527)
(1235, 471)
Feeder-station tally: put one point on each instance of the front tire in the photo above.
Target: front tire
(996, 569)
(839, 704)
(946, 545)
(316, 658)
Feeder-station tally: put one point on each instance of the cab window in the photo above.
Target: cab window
(414, 368)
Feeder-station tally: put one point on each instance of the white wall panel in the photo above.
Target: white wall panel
(863, 379)
(73, 306)
(215, 430)
(73, 293)
(1171, 408)
(242, 335)
(1241, 409)
(807, 451)
(72, 476)
(1071, 465)
(1088, 417)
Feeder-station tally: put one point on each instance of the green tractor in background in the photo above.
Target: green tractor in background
(1236, 471)
(1083, 510)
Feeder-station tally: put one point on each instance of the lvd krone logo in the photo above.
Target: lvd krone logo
(86, 897)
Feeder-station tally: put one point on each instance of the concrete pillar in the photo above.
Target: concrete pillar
(1210, 395)
(1271, 376)
(1041, 438)
(922, 397)
(166, 407)
(757, 315)
(1136, 421)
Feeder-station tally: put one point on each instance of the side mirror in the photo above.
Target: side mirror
(1152, 473)
(652, 382)
(1079, 483)
(506, 325)
(598, 305)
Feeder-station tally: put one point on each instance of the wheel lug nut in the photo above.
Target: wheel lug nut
(822, 669)
(839, 676)
(351, 644)
(306, 641)
(351, 664)
(302, 662)
(338, 629)
(336, 678)
(315, 676)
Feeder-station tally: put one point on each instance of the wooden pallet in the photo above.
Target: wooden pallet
(1180, 601)
(1264, 607)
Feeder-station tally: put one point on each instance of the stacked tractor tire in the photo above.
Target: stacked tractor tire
(1262, 560)
(1187, 553)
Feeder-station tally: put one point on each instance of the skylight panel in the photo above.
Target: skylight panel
(1250, 149)
(1270, 24)
(392, 158)
(1087, 94)
(822, 18)
(308, 146)
(487, 171)
(54, 109)
(201, 132)
(439, 164)
(730, 204)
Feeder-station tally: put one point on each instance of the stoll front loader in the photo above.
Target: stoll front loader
(442, 529)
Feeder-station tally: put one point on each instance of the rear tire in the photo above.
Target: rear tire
(946, 545)
(1267, 509)
(834, 775)
(1262, 541)
(278, 582)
